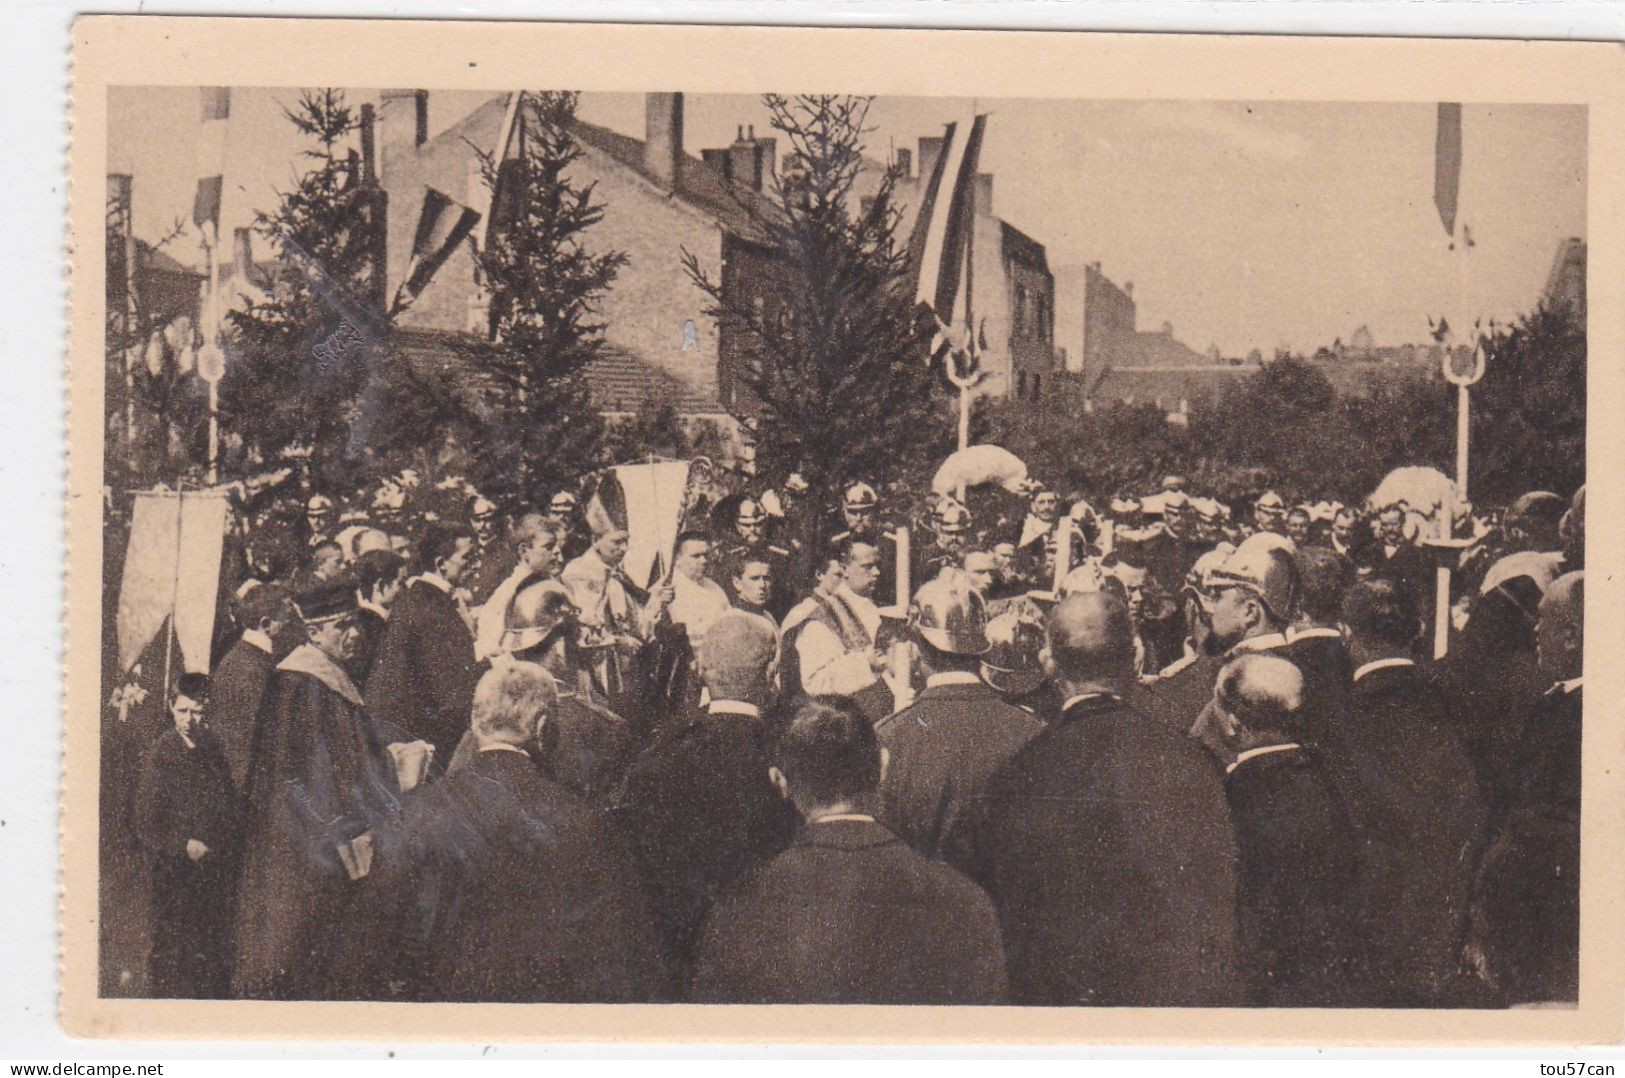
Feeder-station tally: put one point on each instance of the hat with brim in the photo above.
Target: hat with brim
(327, 602)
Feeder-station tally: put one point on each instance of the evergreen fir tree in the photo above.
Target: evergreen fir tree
(832, 363)
(301, 356)
(544, 285)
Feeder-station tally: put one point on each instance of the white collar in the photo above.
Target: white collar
(258, 638)
(435, 579)
(501, 747)
(1566, 687)
(1265, 750)
(844, 592)
(733, 707)
(1259, 643)
(1313, 632)
(857, 817)
(1381, 664)
(311, 660)
(368, 604)
(1082, 696)
(952, 677)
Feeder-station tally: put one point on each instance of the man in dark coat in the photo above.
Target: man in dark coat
(1417, 804)
(699, 806)
(1297, 938)
(957, 732)
(189, 823)
(498, 885)
(320, 782)
(380, 575)
(240, 679)
(422, 681)
(1527, 907)
(847, 914)
(1110, 887)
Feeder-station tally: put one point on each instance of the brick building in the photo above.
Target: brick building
(658, 201)
(1012, 288)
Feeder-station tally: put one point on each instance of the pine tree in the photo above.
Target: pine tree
(301, 356)
(832, 363)
(544, 286)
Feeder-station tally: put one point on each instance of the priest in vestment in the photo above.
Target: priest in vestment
(319, 783)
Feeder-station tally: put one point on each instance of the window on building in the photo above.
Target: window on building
(1021, 384)
(691, 336)
(1038, 385)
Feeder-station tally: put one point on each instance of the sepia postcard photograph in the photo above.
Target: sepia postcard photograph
(698, 533)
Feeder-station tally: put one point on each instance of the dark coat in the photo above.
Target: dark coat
(700, 810)
(499, 885)
(1297, 940)
(944, 747)
(186, 793)
(234, 704)
(849, 914)
(1422, 822)
(1528, 891)
(370, 627)
(319, 780)
(1112, 870)
(422, 680)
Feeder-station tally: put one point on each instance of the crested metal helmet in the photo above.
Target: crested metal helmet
(483, 509)
(750, 512)
(319, 503)
(1264, 571)
(1270, 501)
(562, 502)
(860, 496)
(1012, 664)
(539, 609)
(949, 614)
(796, 484)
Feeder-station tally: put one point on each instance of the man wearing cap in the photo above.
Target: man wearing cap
(318, 519)
(957, 731)
(422, 681)
(1103, 841)
(859, 522)
(943, 545)
(1269, 513)
(496, 552)
(320, 780)
(750, 544)
(561, 508)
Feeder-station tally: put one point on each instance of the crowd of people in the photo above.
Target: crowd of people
(1154, 755)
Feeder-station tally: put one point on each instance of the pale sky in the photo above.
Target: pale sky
(1244, 224)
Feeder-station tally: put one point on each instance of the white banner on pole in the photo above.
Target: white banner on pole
(172, 570)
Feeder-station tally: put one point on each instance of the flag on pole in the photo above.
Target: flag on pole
(214, 113)
(1447, 164)
(942, 230)
(442, 225)
(172, 574)
(510, 145)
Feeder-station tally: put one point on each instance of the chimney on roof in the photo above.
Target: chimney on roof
(404, 116)
(930, 150)
(984, 194)
(905, 162)
(663, 137)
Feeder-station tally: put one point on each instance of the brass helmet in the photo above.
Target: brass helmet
(948, 613)
(1012, 664)
(539, 609)
(1265, 571)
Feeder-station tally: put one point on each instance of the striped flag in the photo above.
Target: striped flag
(1447, 164)
(942, 231)
(215, 112)
(442, 225)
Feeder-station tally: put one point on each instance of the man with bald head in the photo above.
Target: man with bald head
(698, 802)
(1527, 913)
(1114, 879)
(1296, 937)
